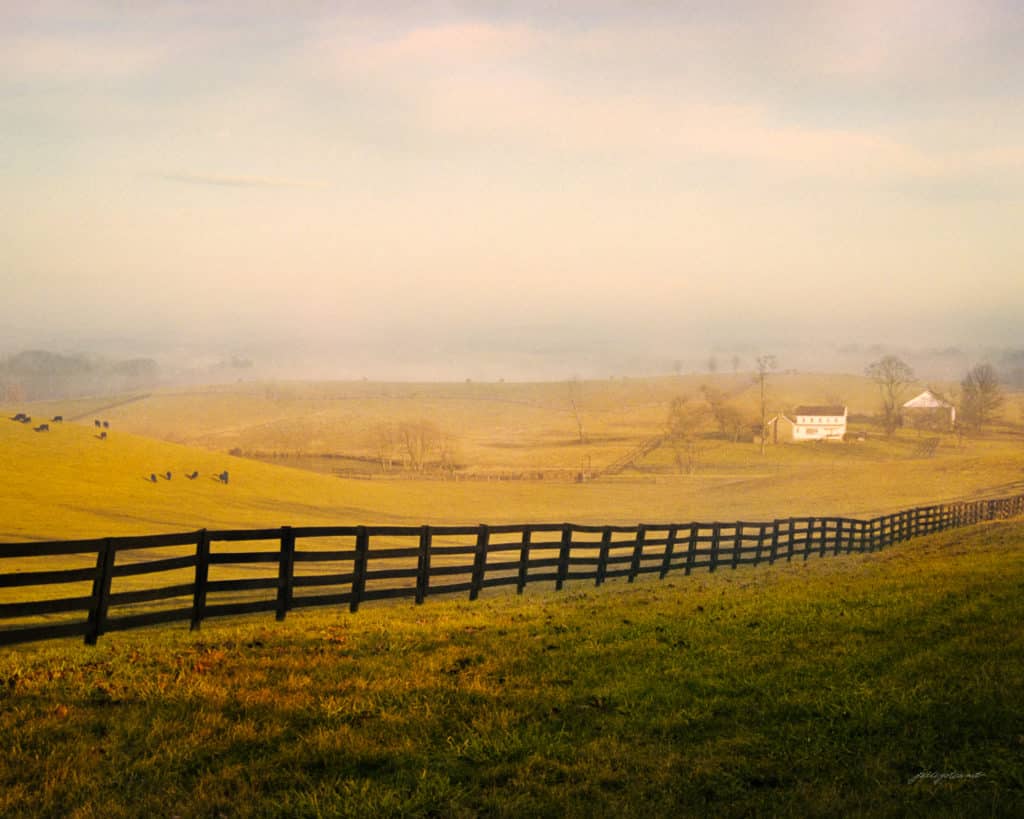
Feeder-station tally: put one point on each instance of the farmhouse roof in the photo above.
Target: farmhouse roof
(834, 409)
(926, 400)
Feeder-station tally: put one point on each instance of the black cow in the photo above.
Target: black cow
(152, 477)
(57, 419)
(223, 476)
(42, 428)
(97, 423)
(192, 476)
(167, 475)
(26, 419)
(106, 424)
(19, 417)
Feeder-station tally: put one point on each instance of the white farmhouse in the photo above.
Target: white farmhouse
(812, 423)
(929, 410)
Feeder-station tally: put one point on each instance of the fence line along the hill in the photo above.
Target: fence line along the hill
(348, 565)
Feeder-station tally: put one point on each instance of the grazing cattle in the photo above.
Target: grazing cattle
(192, 476)
(167, 475)
(26, 419)
(223, 476)
(57, 419)
(42, 428)
(19, 417)
(102, 436)
(152, 477)
(106, 424)
(97, 423)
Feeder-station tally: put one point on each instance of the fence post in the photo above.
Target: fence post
(563, 555)
(202, 575)
(670, 545)
(762, 530)
(737, 544)
(602, 556)
(423, 565)
(823, 531)
(479, 561)
(716, 542)
(774, 553)
(100, 591)
(808, 538)
(524, 560)
(638, 551)
(359, 567)
(790, 546)
(285, 572)
(691, 549)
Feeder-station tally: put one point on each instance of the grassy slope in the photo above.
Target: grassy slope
(813, 689)
(66, 483)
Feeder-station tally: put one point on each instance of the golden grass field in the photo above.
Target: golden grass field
(820, 687)
(67, 483)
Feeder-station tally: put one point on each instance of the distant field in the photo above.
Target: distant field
(67, 483)
(495, 427)
(877, 684)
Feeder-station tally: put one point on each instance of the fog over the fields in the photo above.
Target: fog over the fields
(485, 190)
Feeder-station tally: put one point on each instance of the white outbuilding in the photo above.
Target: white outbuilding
(929, 409)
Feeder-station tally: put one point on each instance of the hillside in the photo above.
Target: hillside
(68, 483)
(876, 684)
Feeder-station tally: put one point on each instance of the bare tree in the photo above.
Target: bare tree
(982, 395)
(384, 439)
(729, 419)
(418, 439)
(448, 452)
(575, 398)
(892, 375)
(682, 430)
(764, 364)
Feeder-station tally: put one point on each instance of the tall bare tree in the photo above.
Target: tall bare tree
(981, 395)
(682, 431)
(575, 401)
(764, 364)
(892, 375)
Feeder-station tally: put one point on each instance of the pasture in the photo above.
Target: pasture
(814, 688)
(67, 484)
(847, 686)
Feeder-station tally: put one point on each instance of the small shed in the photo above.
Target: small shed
(929, 410)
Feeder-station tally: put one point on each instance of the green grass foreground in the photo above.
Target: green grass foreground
(878, 684)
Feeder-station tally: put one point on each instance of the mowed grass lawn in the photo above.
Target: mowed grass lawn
(878, 684)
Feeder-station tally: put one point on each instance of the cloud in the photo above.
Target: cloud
(226, 181)
(77, 58)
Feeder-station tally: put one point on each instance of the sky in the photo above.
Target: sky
(402, 187)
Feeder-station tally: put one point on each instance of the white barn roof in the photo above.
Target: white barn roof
(927, 400)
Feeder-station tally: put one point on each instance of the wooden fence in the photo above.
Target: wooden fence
(385, 562)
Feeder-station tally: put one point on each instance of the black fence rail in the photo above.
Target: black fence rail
(129, 582)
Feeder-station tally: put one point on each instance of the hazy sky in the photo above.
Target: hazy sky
(486, 173)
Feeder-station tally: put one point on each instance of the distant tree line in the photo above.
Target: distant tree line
(40, 374)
